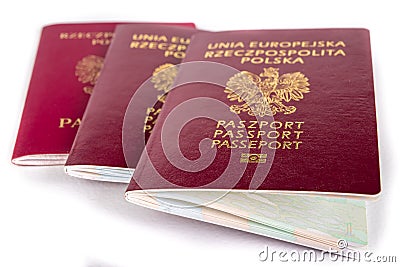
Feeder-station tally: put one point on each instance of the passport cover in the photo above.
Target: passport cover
(137, 52)
(304, 114)
(319, 87)
(67, 65)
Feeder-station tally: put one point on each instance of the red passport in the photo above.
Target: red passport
(137, 53)
(268, 131)
(67, 66)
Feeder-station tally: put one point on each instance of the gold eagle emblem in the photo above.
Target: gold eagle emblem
(163, 77)
(88, 71)
(264, 94)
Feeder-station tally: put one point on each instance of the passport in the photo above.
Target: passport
(136, 54)
(67, 66)
(271, 132)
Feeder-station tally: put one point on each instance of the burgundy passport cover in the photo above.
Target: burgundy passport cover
(319, 87)
(136, 52)
(67, 66)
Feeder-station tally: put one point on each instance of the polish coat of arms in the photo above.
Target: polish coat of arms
(265, 94)
(88, 71)
(163, 77)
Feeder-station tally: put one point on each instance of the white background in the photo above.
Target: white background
(50, 219)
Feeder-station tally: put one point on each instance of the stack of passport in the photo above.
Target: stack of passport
(267, 131)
